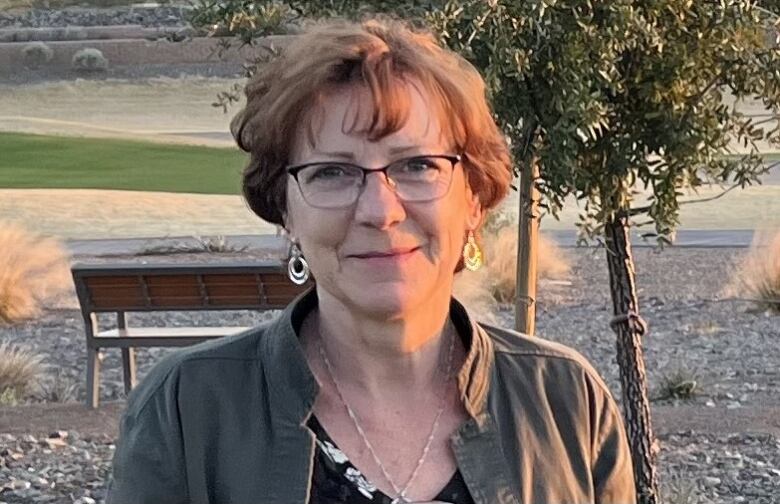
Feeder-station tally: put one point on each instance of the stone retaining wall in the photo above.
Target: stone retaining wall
(130, 52)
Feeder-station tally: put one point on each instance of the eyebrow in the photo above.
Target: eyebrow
(403, 149)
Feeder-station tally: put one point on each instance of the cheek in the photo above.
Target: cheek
(320, 232)
(445, 230)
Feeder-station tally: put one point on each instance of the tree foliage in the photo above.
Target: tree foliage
(610, 97)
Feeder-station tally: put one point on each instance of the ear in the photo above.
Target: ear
(474, 212)
(287, 221)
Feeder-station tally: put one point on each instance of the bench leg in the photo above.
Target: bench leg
(128, 368)
(93, 377)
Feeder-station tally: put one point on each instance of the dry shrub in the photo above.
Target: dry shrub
(681, 489)
(19, 372)
(32, 270)
(209, 245)
(472, 289)
(758, 275)
(679, 383)
(501, 262)
(483, 290)
(57, 387)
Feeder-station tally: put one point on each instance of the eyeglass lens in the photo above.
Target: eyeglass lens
(333, 185)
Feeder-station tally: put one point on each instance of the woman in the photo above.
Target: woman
(376, 150)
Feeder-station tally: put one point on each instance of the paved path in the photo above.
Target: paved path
(735, 238)
(689, 238)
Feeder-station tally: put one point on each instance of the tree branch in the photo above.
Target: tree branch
(640, 210)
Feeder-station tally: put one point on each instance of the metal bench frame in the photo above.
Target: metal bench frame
(133, 287)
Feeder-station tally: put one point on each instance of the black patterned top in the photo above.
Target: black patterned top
(337, 481)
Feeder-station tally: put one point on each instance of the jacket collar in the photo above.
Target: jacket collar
(292, 387)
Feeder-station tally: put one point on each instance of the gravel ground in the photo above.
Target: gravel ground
(174, 15)
(729, 350)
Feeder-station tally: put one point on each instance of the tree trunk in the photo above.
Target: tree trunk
(630, 328)
(527, 249)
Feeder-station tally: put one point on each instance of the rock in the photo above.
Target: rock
(54, 443)
(20, 485)
(711, 481)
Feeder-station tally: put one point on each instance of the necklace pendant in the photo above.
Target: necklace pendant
(400, 500)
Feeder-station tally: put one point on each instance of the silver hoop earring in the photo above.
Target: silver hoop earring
(297, 267)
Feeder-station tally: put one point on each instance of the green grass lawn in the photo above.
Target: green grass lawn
(53, 162)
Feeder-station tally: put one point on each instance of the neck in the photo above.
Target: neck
(381, 355)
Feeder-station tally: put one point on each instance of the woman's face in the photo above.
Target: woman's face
(427, 237)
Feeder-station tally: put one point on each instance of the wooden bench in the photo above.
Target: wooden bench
(122, 288)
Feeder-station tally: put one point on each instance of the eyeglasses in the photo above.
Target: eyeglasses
(335, 184)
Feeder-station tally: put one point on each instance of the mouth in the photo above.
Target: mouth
(399, 252)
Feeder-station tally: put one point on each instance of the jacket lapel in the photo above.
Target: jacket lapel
(292, 389)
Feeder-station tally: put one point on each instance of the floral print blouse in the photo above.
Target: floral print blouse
(337, 481)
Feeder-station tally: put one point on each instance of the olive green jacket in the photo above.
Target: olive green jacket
(224, 422)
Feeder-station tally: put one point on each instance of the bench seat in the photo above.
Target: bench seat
(119, 289)
(162, 336)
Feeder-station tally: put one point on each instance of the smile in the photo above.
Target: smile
(391, 255)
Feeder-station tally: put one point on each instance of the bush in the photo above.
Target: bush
(32, 270)
(19, 371)
(472, 289)
(681, 489)
(679, 383)
(57, 387)
(37, 54)
(481, 291)
(501, 261)
(210, 245)
(89, 59)
(758, 275)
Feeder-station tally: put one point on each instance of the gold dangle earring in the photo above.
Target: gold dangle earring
(472, 255)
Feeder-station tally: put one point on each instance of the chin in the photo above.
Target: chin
(388, 299)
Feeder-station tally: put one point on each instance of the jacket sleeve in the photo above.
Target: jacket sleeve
(149, 465)
(612, 468)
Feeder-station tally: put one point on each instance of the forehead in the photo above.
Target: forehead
(345, 119)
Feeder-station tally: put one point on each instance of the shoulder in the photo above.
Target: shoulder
(551, 361)
(219, 358)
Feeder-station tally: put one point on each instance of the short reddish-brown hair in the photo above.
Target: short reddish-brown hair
(380, 55)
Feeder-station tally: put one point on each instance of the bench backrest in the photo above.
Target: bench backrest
(169, 287)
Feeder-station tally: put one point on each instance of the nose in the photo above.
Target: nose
(378, 205)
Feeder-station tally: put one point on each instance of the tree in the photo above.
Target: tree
(608, 98)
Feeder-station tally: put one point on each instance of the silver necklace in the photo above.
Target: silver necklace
(400, 492)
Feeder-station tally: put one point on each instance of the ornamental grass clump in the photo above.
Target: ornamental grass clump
(482, 291)
(678, 384)
(33, 269)
(20, 370)
(202, 245)
(758, 275)
(501, 262)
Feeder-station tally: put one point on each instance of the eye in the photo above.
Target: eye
(327, 172)
(420, 165)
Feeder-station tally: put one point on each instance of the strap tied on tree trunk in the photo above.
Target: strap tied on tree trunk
(635, 322)
(528, 300)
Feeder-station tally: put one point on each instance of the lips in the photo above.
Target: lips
(385, 253)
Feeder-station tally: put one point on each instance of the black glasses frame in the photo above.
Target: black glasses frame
(454, 159)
